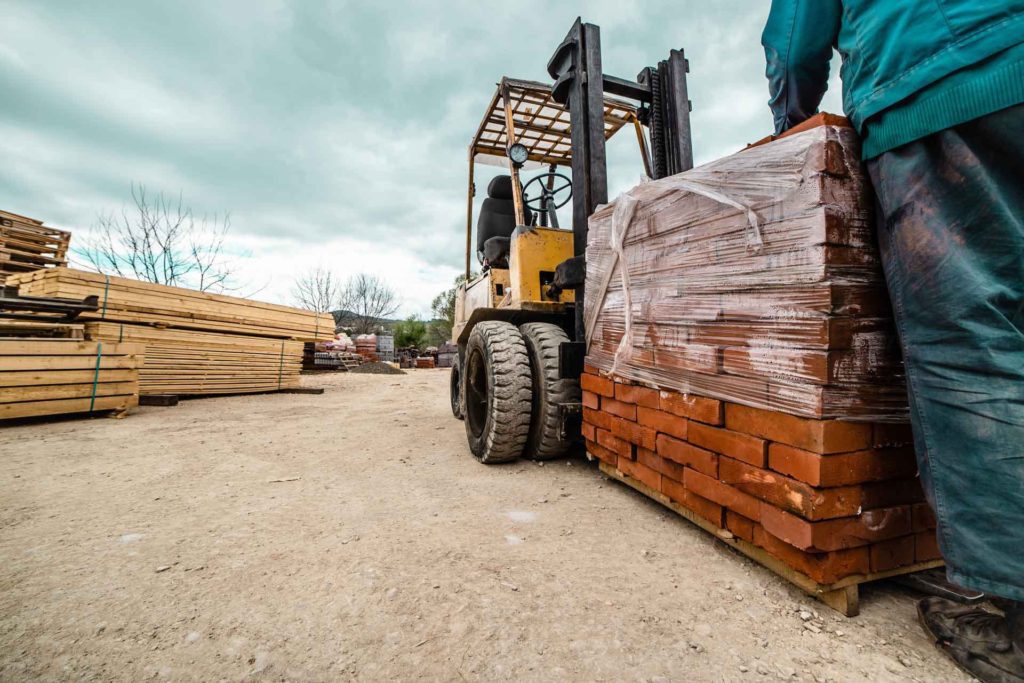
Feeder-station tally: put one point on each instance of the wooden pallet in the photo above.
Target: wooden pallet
(133, 301)
(27, 245)
(842, 596)
(62, 376)
(187, 362)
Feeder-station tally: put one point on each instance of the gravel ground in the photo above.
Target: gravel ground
(351, 536)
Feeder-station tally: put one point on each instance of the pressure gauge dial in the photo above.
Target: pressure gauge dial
(518, 154)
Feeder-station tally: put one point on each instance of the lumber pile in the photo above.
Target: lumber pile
(196, 343)
(743, 366)
(133, 301)
(27, 245)
(204, 363)
(60, 376)
(753, 279)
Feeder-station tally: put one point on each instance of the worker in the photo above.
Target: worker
(936, 90)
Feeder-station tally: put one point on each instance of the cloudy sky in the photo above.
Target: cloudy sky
(334, 132)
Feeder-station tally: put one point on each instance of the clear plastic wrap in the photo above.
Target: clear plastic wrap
(753, 279)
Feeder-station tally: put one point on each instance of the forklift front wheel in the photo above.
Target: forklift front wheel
(548, 435)
(496, 390)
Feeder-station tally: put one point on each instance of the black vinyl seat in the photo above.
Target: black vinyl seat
(497, 221)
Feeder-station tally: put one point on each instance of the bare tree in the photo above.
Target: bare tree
(160, 240)
(366, 300)
(317, 290)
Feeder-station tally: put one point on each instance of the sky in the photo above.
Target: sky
(334, 133)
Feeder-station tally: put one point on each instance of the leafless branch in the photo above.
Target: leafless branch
(317, 290)
(366, 300)
(160, 240)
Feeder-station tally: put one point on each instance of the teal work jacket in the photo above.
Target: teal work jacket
(910, 67)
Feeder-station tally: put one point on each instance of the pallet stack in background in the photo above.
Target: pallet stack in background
(26, 245)
(196, 343)
(739, 323)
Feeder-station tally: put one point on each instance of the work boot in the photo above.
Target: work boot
(978, 640)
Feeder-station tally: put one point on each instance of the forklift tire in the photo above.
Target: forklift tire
(550, 391)
(455, 391)
(496, 392)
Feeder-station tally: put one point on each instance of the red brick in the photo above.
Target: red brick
(790, 494)
(818, 436)
(749, 449)
(926, 547)
(842, 468)
(664, 466)
(634, 433)
(589, 432)
(890, 435)
(821, 567)
(589, 369)
(597, 418)
(740, 526)
(723, 494)
(614, 444)
(626, 411)
(598, 385)
(896, 552)
(641, 396)
(923, 516)
(868, 527)
(591, 400)
(698, 408)
(602, 454)
(687, 454)
(641, 473)
(886, 494)
(703, 507)
(663, 422)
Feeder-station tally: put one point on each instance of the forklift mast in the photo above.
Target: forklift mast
(664, 108)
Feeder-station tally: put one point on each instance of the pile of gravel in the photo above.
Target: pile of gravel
(377, 368)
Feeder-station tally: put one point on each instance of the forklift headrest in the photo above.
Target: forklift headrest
(500, 187)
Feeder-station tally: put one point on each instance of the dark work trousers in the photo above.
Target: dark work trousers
(951, 234)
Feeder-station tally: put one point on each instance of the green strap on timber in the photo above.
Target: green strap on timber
(96, 375)
(280, 367)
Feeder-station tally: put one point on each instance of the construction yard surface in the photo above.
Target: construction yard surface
(350, 535)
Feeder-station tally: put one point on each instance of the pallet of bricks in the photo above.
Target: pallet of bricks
(26, 245)
(47, 368)
(196, 343)
(743, 369)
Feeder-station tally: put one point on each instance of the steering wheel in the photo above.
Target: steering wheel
(547, 199)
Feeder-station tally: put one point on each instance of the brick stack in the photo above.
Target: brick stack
(828, 498)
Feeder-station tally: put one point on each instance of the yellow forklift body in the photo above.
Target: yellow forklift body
(535, 253)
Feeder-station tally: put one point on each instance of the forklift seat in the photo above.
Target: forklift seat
(498, 212)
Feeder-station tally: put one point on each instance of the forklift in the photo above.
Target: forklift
(519, 325)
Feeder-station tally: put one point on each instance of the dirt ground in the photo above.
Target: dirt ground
(351, 536)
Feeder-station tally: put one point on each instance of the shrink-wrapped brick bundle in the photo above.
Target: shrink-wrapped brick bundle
(753, 279)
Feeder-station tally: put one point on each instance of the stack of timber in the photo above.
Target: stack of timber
(133, 301)
(187, 362)
(26, 245)
(743, 369)
(196, 343)
(60, 376)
